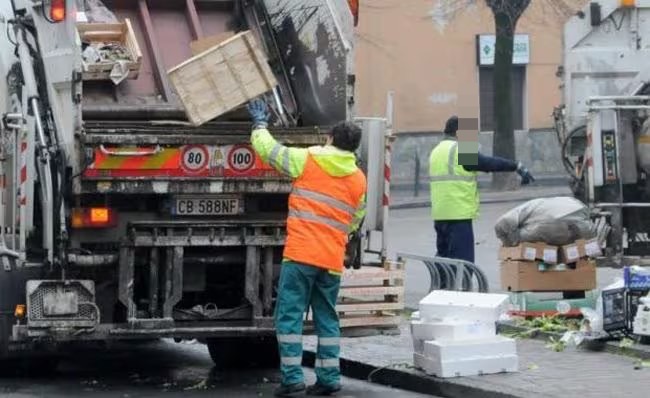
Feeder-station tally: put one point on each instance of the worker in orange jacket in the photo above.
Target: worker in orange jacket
(326, 204)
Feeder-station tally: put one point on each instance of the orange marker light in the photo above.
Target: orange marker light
(20, 311)
(93, 217)
(99, 215)
(57, 10)
(628, 3)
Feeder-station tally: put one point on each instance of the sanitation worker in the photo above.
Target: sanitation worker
(326, 204)
(454, 188)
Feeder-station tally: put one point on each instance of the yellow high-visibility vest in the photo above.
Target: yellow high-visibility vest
(454, 190)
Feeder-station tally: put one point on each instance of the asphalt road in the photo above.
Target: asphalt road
(161, 368)
(412, 231)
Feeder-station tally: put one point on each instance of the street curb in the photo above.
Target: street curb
(410, 380)
(426, 203)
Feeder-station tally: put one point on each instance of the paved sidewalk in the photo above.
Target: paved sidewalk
(405, 200)
(542, 372)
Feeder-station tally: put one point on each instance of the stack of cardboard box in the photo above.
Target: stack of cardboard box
(454, 334)
(538, 267)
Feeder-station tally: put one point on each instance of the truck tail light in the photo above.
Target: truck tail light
(20, 311)
(354, 7)
(57, 10)
(93, 217)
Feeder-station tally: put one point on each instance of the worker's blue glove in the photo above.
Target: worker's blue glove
(259, 113)
(526, 177)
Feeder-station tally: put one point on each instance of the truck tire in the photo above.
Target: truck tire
(244, 352)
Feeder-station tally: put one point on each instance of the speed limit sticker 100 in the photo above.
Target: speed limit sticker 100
(241, 158)
(195, 158)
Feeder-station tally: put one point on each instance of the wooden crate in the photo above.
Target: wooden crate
(371, 297)
(111, 32)
(222, 78)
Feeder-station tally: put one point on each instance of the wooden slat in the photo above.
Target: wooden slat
(370, 306)
(371, 290)
(372, 277)
(360, 321)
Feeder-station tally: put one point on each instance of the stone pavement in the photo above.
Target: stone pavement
(542, 372)
(404, 199)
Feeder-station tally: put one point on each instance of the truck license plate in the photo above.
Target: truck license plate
(207, 206)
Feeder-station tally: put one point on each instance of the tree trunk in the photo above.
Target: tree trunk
(503, 144)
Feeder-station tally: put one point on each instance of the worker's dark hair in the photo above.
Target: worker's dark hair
(346, 136)
(451, 127)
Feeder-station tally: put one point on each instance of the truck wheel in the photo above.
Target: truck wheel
(244, 352)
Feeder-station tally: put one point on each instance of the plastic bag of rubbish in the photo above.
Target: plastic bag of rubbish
(556, 221)
(572, 339)
(599, 313)
(91, 55)
(593, 321)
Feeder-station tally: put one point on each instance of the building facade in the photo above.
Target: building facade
(437, 55)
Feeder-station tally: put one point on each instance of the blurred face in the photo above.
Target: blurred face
(467, 142)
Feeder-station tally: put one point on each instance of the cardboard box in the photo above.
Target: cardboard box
(580, 249)
(526, 276)
(530, 251)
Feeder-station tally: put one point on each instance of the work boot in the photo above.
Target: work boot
(288, 390)
(323, 390)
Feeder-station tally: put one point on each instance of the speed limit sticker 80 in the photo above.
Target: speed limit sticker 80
(195, 158)
(241, 158)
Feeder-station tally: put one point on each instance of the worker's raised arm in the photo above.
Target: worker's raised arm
(289, 161)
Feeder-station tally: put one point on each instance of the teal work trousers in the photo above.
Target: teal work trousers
(301, 286)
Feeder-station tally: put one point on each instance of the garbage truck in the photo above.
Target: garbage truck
(122, 220)
(603, 123)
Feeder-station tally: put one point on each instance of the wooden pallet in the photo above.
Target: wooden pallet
(371, 297)
(222, 78)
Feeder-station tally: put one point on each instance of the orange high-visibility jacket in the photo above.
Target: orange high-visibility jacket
(326, 204)
(321, 210)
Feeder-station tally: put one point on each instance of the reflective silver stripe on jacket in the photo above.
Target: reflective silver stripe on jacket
(305, 215)
(291, 361)
(326, 199)
(290, 338)
(451, 166)
(327, 363)
(273, 159)
(329, 341)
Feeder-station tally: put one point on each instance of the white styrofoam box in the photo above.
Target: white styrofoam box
(459, 350)
(467, 367)
(452, 330)
(418, 346)
(469, 306)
